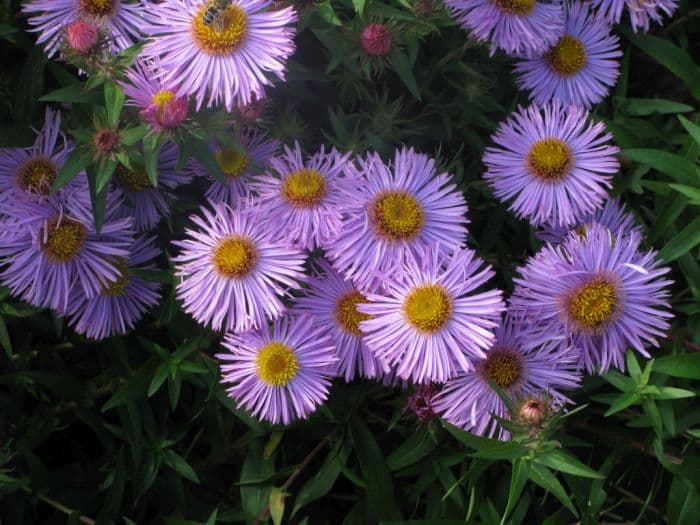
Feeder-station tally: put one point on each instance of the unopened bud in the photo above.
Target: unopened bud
(376, 40)
(533, 412)
(106, 140)
(81, 36)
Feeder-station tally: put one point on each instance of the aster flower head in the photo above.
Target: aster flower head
(515, 26)
(146, 203)
(49, 18)
(400, 209)
(232, 274)
(224, 61)
(429, 323)
(159, 105)
(29, 173)
(641, 12)
(520, 369)
(375, 39)
(553, 164)
(279, 373)
(597, 293)
(333, 301)
(121, 302)
(613, 215)
(580, 68)
(248, 153)
(305, 196)
(51, 249)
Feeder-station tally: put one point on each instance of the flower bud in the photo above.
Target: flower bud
(106, 140)
(533, 412)
(166, 110)
(376, 40)
(81, 36)
(421, 402)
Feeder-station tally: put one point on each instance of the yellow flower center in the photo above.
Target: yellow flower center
(37, 175)
(235, 257)
(515, 7)
(550, 159)
(503, 366)
(276, 364)
(233, 163)
(346, 314)
(224, 35)
(304, 188)
(116, 288)
(135, 180)
(567, 57)
(97, 7)
(593, 303)
(65, 240)
(397, 215)
(160, 99)
(428, 307)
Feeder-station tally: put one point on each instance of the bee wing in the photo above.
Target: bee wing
(219, 23)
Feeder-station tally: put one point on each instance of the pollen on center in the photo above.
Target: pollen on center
(224, 39)
(550, 159)
(593, 302)
(428, 307)
(117, 287)
(304, 188)
(567, 57)
(64, 239)
(346, 314)
(232, 162)
(503, 365)
(36, 175)
(397, 215)
(276, 364)
(235, 256)
(515, 7)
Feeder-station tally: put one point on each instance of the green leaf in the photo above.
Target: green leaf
(77, 161)
(114, 101)
(359, 6)
(646, 106)
(105, 170)
(416, 447)
(200, 150)
(179, 465)
(380, 487)
(29, 86)
(326, 12)
(509, 450)
(682, 365)
(174, 389)
(272, 444)
(633, 366)
(404, 70)
(686, 240)
(131, 136)
(469, 439)
(5, 340)
(97, 198)
(667, 163)
(669, 392)
(151, 152)
(212, 517)
(689, 191)
(672, 57)
(519, 474)
(323, 480)
(276, 503)
(683, 503)
(158, 379)
(254, 498)
(544, 477)
(566, 462)
(622, 402)
(73, 94)
(692, 129)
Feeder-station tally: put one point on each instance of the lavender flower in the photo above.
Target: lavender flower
(279, 373)
(597, 293)
(227, 64)
(515, 26)
(146, 203)
(121, 19)
(580, 68)
(306, 199)
(231, 272)
(520, 369)
(401, 208)
(250, 151)
(429, 324)
(332, 301)
(641, 12)
(120, 303)
(553, 163)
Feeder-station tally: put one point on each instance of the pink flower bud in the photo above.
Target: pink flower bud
(167, 109)
(81, 36)
(533, 411)
(106, 140)
(376, 40)
(421, 402)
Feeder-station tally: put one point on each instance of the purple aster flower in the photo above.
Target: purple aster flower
(53, 248)
(227, 63)
(279, 373)
(398, 210)
(519, 368)
(553, 164)
(580, 68)
(120, 303)
(250, 152)
(641, 12)
(158, 104)
(144, 202)
(333, 303)
(428, 323)
(49, 18)
(515, 26)
(28, 173)
(597, 293)
(306, 198)
(231, 272)
(613, 215)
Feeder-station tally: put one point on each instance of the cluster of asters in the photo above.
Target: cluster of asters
(333, 265)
